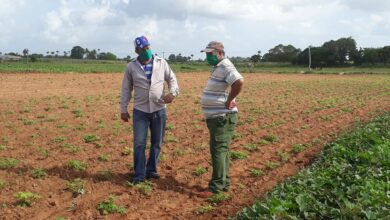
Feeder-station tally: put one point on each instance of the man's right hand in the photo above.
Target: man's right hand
(125, 117)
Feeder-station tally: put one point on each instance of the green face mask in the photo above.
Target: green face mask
(212, 59)
(146, 55)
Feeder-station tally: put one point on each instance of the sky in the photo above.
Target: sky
(179, 26)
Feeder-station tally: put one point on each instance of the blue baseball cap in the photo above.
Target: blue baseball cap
(141, 42)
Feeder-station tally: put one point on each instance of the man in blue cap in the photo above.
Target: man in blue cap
(147, 76)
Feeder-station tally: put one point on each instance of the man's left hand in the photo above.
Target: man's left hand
(230, 104)
(168, 98)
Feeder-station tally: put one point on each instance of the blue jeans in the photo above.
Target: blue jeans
(143, 121)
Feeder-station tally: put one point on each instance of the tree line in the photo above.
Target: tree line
(341, 52)
(77, 52)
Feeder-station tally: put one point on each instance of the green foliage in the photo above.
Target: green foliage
(348, 181)
(109, 207)
(200, 171)
(38, 173)
(26, 198)
(59, 139)
(126, 151)
(272, 165)
(43, 152)
(237, 155)
(2, 147)
(285, 156)
(6, 163)
(77, 165)
(271, 138)
(104, 157)
(297, 148)
(90, 138)
(3, 184)
(256, 172)
(76, 186)
(145, 187)
(204, 209)
(251, 147)
(219, 197)
(78, 113)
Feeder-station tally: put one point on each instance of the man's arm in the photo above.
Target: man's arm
(127, 88)
(173, 86)
(234, 91)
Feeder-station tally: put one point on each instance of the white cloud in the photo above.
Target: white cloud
(97, 15)
(244, 26)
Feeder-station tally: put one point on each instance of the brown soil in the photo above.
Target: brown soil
(54, 112)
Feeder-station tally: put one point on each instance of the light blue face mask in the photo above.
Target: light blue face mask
(146, 55)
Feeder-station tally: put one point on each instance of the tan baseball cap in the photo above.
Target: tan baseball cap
(213, 45)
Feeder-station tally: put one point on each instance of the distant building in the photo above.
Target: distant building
(10, 58)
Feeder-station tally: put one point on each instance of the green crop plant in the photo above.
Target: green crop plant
(204, 209)
(296, 148)
(76, 186)
(104, 157)
(285, 156)
(26, 198)
(256, 172)
(219, 197)
(272, 165)
(90, 138)
(200, 171)
(3, 184)
(251, 147)
(6, 163)
(271, 138)
(77, 165)
(145, 187)
(238, 155)
(109, 207)
(38, 173)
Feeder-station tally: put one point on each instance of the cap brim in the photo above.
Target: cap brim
(207, 50)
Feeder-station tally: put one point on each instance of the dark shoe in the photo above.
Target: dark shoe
(152, 176)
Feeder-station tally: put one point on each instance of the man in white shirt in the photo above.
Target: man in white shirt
(147, 76)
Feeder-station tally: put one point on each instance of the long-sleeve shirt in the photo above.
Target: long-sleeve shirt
(147, 94)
